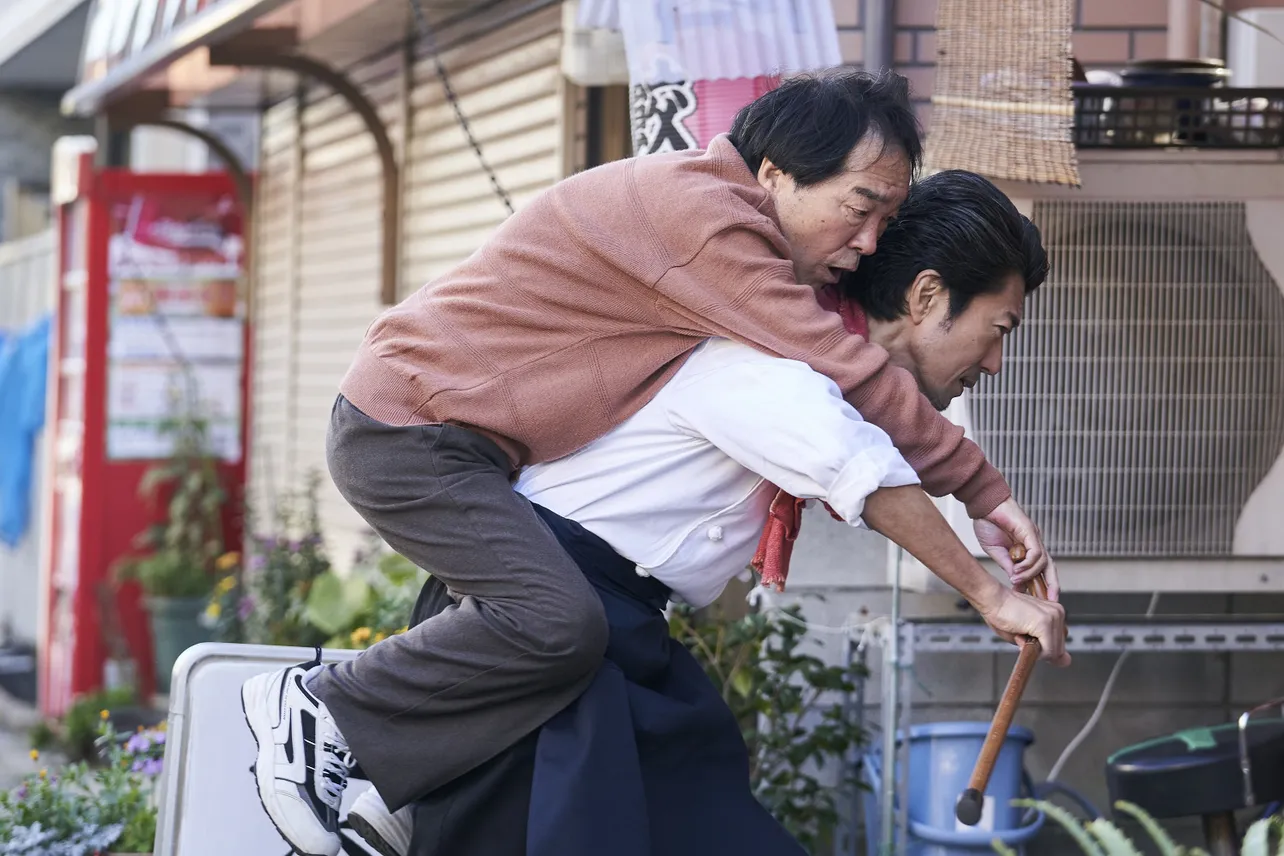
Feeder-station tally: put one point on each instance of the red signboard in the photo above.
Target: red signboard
(151, 305)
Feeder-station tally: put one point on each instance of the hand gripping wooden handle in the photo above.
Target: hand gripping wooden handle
(970, 804)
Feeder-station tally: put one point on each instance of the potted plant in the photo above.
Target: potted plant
(783, 697)
(82, 809)
(1100, 837)
(184, 550)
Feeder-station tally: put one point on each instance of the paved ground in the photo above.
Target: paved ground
(14, 760)
(16, 720)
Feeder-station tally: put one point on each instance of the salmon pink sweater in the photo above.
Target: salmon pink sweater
(587, 300)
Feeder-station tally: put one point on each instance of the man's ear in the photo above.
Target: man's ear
(924, 293)
(770, 176)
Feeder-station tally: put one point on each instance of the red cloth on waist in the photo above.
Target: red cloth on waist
(784, 520)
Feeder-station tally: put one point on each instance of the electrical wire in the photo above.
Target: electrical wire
(426, 34)
(1101, 704)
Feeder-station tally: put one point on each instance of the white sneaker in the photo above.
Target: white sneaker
(303, 760)
(385, 831)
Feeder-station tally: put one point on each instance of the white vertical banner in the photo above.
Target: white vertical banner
(694, 63)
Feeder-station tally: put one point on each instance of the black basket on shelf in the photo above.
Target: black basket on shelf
(1193, 116)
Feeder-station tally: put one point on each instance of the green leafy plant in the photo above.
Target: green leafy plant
(1101, 837)
(371, 603)
(269, 596)
(229, 604)
(180, 552)
(783, 698)
(77, 732)
(86, 808)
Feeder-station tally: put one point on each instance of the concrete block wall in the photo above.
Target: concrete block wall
(839, 576)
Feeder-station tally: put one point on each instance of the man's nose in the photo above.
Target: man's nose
(993, 360)
(866, 240)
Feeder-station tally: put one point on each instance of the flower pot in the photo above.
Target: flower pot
(176, 626)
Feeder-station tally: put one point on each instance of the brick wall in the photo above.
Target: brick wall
(1107, 33)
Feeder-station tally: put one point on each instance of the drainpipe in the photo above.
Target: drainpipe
(880, 34)
(1184, 18)
(1211, 29)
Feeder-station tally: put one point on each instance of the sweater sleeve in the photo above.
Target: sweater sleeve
(738, 286)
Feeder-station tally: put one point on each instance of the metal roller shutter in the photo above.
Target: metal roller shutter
(317, 287)
(273, 309)
(509, 87)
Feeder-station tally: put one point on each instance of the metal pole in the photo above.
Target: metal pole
(880, 34)
(904, 661)
(891, 697)
(845, 834)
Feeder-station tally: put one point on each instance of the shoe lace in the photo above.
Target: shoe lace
(337, 762)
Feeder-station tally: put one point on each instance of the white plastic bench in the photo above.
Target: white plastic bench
(208, 802)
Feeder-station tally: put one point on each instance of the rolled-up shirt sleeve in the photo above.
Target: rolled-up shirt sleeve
(791, 425)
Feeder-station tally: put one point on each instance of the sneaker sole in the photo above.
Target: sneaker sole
(258, 769)
(371, 836)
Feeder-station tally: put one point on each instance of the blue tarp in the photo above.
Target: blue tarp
(24, 367)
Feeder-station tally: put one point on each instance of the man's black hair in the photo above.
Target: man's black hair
(960, 225)
(809, 124)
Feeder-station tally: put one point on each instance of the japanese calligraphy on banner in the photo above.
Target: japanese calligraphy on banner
(120, 29)
(694, 63)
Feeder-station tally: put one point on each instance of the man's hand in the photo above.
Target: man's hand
(1013, 615)
(1006, 526)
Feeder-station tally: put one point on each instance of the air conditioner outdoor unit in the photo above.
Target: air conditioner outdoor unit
(1139, 415)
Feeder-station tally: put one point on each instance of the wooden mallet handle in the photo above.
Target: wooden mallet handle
(968, 809)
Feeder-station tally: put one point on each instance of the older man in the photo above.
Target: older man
(670, 505)
(566, 322)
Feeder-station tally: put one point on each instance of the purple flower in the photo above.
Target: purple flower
(152, 767)
(245, 608)
(136, 767)
(138, 743)
(158, 738)
(295, 545)
(258, 562)
(21, 793)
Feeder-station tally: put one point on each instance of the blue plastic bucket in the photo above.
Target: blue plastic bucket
(942, 755)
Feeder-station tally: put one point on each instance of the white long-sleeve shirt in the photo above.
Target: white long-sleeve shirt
(683, 487)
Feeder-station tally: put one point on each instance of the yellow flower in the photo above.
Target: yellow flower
(35, 754)
(403, 630)
(227, 561)
(379, 637)
(226, 584)
(213, 610)
(104, 715)
(44, 774)
(360, 635)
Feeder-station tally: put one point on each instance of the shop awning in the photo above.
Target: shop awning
(669, 40)
(127, 40)
(41, 43)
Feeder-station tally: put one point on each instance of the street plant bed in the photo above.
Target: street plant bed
(88, 809)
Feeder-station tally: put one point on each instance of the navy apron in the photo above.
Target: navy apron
(649, 761)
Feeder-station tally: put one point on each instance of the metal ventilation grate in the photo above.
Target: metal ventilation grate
(1142, 401)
